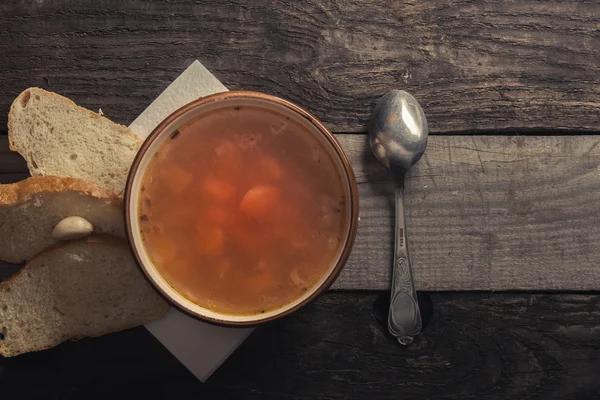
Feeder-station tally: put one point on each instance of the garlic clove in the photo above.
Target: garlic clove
(72, 228)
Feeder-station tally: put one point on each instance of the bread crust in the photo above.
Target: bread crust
(19, 192)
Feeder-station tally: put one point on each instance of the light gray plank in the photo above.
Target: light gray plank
(484, 213)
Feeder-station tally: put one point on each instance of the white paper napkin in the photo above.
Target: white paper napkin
(200, 346)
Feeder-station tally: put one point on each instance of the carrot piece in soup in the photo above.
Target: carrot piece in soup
(210, 241)
(218, 189)
(260, 201)
(176, 178)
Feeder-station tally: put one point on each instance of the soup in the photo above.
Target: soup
(243, 210)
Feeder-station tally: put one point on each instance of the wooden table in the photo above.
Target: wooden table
(506, 198)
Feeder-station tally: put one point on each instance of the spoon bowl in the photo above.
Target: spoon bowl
(398, 130)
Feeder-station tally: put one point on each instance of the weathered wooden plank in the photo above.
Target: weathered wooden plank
(474, 346)
(484, 213)
(473, 65)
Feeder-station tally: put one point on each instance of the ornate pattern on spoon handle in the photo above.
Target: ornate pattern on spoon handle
(404, 320)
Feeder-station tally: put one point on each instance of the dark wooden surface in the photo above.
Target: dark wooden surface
(475, 346)
(477, 66)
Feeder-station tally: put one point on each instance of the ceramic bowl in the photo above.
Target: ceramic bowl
(187, 114)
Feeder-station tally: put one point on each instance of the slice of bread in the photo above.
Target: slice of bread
(30, 209)
(59, 138)
(84, 288)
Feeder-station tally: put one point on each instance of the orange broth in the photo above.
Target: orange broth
(243, 210)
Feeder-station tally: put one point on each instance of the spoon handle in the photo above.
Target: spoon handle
(404, 320)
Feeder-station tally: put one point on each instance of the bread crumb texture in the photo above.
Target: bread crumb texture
(59, 138)
(84, 288)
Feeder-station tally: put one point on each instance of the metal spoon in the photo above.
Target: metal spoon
(398, 136)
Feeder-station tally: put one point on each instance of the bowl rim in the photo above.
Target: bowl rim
(244, 94)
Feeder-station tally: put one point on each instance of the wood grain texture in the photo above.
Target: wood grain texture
(474, 346)
(484, 213)
(474, 65)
